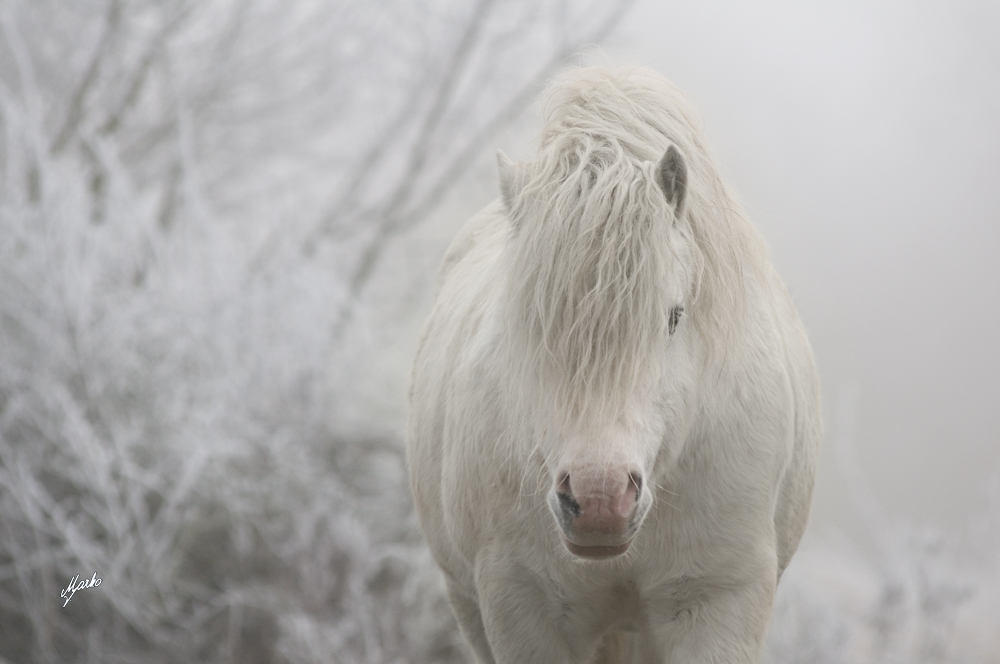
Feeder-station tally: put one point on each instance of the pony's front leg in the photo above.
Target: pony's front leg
(470, 620)
(725, 624)
(523, 623)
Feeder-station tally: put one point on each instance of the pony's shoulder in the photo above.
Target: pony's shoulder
(486, 224)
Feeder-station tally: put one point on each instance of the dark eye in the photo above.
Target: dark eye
(675, 317)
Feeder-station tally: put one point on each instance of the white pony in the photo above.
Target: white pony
(615, 410)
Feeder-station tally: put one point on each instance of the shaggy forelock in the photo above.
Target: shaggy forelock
(593, 268)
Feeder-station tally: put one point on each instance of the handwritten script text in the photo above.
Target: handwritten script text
(75, 585)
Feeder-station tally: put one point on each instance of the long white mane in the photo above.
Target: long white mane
(596, 260)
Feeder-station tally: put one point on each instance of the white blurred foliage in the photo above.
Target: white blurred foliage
(915, 596)
(920, 602)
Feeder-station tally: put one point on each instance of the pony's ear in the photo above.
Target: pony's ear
(510, 182)
(671, 175)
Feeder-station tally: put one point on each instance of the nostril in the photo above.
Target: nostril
(564, 493)
(568, 504)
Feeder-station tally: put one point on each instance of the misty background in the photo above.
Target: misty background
(220, 224)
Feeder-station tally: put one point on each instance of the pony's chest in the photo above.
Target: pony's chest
(624, 605)
(596, 607)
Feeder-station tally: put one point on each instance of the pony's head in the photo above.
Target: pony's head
(600, 274)
(601, 269)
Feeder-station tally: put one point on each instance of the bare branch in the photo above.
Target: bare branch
(432, 119)
(397, 218)
(404, 221)
(75, 112)
(137, 80)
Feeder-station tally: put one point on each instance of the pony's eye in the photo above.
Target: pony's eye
(675, 317)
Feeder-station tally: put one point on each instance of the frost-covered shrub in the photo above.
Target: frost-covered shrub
(172, 431)
(925, 597)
